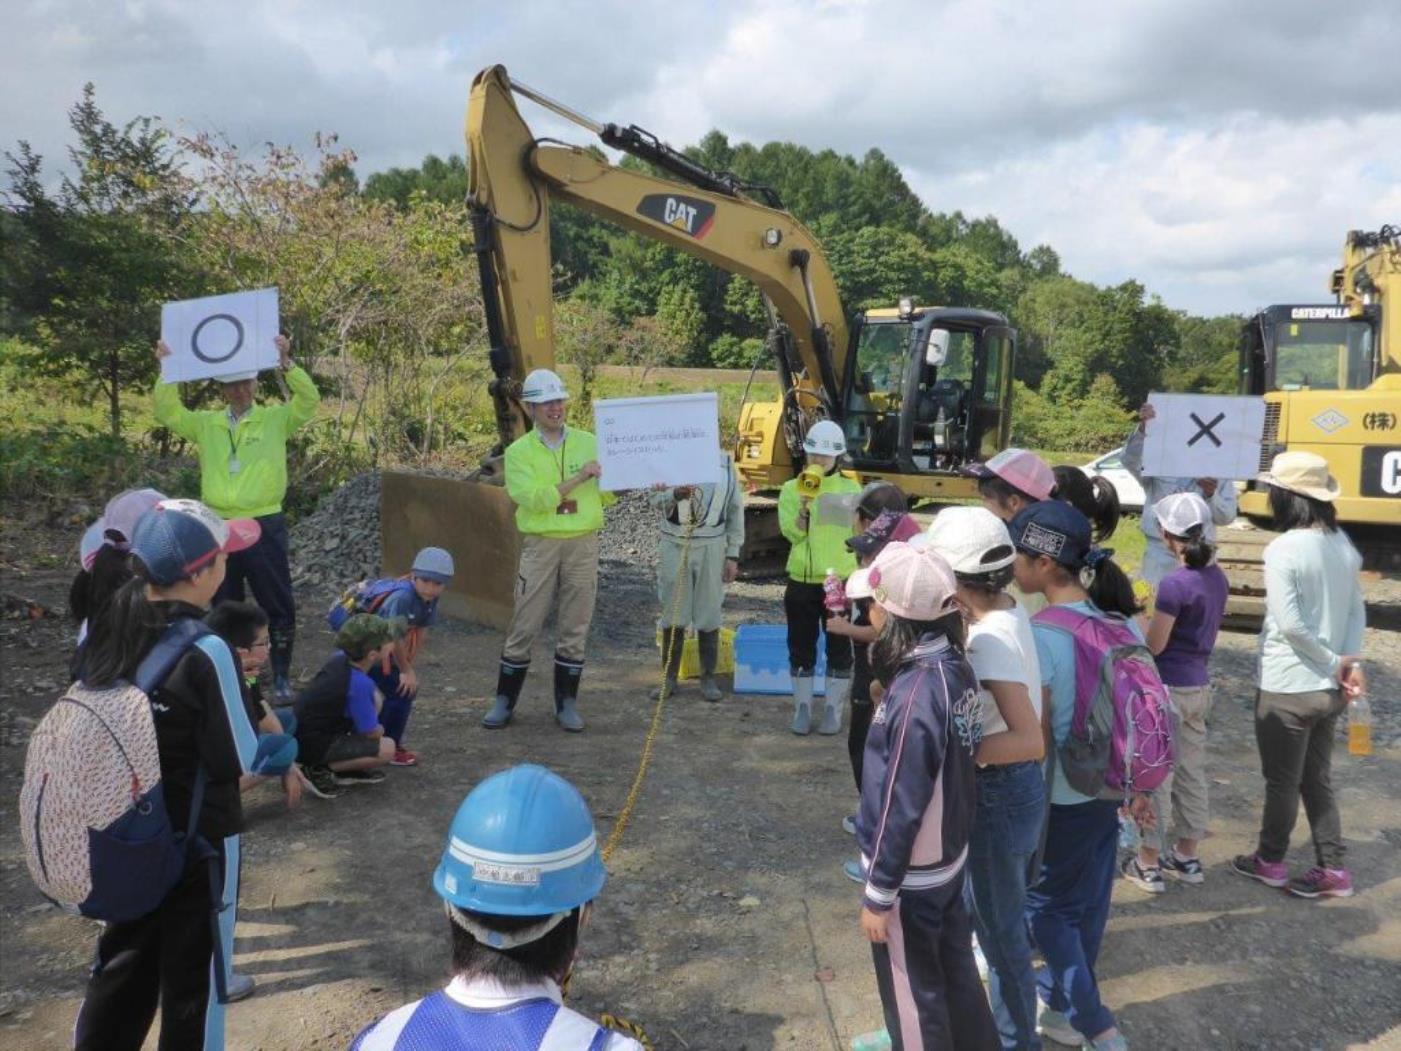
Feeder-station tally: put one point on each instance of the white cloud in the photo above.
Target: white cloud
(1216, 152)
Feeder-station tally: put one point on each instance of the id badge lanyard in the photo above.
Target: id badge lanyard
(235, 465)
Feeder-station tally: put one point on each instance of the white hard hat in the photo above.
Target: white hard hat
(541, 386)
(825, 438)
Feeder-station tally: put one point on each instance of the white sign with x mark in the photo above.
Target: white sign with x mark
(1203, 436)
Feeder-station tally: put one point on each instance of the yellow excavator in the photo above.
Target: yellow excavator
(918, 391)
(1331, 378)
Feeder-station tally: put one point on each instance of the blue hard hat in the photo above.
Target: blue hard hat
(521, 844)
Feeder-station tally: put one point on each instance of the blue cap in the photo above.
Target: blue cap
(1054, 529)
(178, 538)
(521, 844)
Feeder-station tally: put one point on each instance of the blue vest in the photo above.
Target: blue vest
(440, 1023)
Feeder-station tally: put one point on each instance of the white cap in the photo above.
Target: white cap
(541, 386)
(972, 540)
(236, 377)
(825, 438)
(1180, 513)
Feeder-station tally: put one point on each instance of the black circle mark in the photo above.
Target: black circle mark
(194, 338)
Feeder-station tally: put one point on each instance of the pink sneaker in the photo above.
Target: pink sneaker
(403, 757)
(1322, 883)
(1270, 873)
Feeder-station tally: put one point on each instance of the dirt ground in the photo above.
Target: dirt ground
(726, 922)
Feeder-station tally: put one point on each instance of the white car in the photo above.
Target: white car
(1111, 467)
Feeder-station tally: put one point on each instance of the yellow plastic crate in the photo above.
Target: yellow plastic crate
(690, 654)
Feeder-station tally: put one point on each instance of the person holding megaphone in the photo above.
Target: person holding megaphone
(815, 513)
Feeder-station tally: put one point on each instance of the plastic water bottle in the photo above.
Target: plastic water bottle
(1128, 833)
(834, 594)
(879, 1040)
(1359, 726)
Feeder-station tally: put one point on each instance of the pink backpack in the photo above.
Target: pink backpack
(1120, 738)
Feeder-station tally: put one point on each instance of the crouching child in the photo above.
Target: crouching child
(339, 735)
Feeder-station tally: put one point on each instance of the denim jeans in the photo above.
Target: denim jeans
(1006, 831)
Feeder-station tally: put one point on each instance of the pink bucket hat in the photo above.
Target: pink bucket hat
(1020, 469)
(905, 581)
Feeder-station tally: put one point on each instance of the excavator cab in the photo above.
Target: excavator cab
(927, 390)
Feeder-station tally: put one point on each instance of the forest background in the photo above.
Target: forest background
(380, 293)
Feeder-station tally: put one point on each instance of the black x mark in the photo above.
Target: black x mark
(1205, 429)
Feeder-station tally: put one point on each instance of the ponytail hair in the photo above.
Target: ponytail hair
(1197, 553)
(120, 635)
(1095, 498)
(1108, 586)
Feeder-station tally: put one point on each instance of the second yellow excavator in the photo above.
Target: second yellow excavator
(919, 391)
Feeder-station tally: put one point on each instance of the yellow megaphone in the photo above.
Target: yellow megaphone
(810, 481)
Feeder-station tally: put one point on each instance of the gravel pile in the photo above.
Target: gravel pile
(338, 544)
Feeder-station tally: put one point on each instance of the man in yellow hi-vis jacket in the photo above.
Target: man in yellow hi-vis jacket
(243, 474)
(552, 475)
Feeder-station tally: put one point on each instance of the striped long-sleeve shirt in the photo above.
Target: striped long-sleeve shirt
(917, 790)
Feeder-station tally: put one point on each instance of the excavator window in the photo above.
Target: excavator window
(877, 391)
(1323, 355)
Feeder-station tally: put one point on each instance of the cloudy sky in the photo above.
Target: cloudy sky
(1217, 151)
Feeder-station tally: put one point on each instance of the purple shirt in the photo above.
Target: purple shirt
(1197, 598)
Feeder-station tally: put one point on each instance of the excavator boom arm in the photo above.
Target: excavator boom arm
(514, 177)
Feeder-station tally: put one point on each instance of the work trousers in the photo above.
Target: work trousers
(560, 575)
(164, 959)
(695, 598)
(265, 569)
(1184, 793)
(1006, 832)
(802, 605)
(1068, 906)
(1294, 732)
(928, 982)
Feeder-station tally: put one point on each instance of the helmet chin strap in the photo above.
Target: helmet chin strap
(499, 939)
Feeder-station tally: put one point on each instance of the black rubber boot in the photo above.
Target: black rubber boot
(708, 642)
(509, 681)
(673, 646)
(567, 675)
(280, 658)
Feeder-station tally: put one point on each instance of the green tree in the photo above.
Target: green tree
(89, 267)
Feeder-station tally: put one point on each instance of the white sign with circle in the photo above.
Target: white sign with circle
(1203, 436)
(220, 335)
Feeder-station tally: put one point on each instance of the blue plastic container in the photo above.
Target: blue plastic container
(761, 660)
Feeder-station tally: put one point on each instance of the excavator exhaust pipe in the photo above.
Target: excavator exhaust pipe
(475, 521)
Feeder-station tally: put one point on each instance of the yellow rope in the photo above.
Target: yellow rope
(621, 824)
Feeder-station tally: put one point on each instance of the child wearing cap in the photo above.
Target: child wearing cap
(1068, 902)
(1187, 612)
(1011, 785)
(917, 804)
(817, 527)
(339, 735)
(881, 517)
(1310, 667)
(165, 959)
(395, 675)
(104, 555)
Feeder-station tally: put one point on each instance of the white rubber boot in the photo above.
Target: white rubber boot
(834, 700)
(802, 705)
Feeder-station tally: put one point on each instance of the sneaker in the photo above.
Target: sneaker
(403, 757)
(239, 987)
(1149, 879)
(1270, 873)
(320, 781)
(358, 777)
(1109, 1043)
(1184, 870)
(1055, 1026)
(852, 871)
(849, 824)
(1322, 883)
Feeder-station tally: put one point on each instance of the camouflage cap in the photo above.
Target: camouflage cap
(364, 631)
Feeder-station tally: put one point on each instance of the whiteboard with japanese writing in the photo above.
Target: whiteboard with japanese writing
(671, 440)
(1203, 436)
(219, 335)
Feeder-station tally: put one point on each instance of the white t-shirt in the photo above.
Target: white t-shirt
(1001, 648)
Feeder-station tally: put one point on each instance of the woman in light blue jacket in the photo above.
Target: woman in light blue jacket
(1309, 669)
